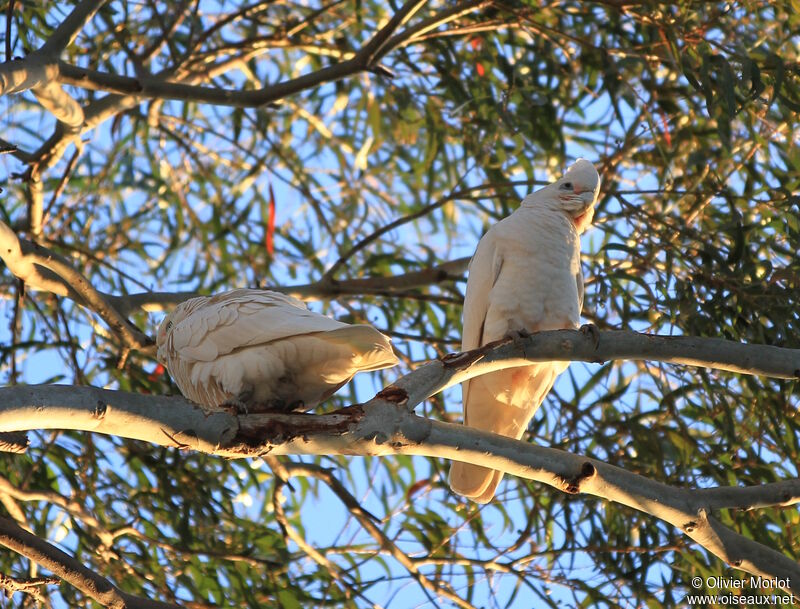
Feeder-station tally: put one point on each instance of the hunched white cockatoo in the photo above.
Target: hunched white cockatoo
(525, 276)
(264, 351)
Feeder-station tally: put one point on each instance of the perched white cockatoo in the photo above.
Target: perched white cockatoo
(264, 351)
(525, 276)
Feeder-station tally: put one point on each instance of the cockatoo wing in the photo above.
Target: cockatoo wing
(484, 269)
(266, 349)
(244, 318)
(502, 402)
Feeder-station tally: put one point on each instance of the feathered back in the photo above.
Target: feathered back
(265, 346)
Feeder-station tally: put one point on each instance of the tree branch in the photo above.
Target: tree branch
(151, 86)
(22, 261)
(386, 425)
(28, 585)
(20, 75)
(40, 269)
(70, 27)
(70, 570)
(383, 427)
(39, 70)
(60, 104)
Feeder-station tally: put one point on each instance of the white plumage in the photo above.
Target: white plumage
(265, 350)
(525, 275)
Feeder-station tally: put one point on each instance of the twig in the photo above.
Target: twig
(14, 442)
(27, 585)
(70, 570)
(328, 277)
(367, 521)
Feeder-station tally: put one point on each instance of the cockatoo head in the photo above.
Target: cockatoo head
(575, 193)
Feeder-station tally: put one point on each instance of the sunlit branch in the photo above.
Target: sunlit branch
(385, 426)
(32, 267)
(20, 75)
(39, 71)
(60, 104)
(65, 33)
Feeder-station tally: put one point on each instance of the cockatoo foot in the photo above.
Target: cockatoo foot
(235, 406)
(296, 406)
(517, 334)
(592, 331)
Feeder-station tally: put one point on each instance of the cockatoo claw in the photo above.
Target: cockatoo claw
(235, 406)
(519, 334)
(592, 331)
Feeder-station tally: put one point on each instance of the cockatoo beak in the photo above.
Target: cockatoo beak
(587, 196)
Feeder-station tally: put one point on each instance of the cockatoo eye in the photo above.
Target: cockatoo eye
(566, 186)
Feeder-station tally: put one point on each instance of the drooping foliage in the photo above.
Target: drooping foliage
(347, 186)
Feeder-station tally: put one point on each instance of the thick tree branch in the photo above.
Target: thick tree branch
(60, 104)
(151, 86)
(162, 420)
(70, 27)
(386, 425)
(39, 71)
(152, 418)
(750, 498)
(40, 68)
(574, 345)
(21, 256)
(70, 570)
(40, 269)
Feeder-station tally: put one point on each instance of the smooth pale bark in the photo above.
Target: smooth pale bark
(386, 425)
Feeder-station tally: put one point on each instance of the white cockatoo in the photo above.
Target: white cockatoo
(525, 276)
(264, 351)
